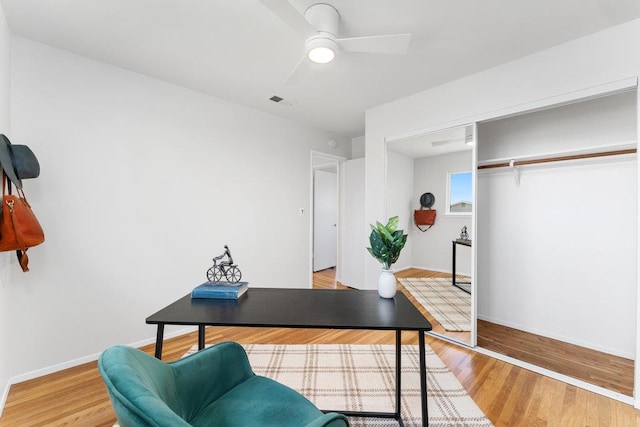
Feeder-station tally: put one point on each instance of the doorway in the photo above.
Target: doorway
(325, 218)
(325, 189)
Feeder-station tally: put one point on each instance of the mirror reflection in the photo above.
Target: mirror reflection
(436, 167)
(459, 190)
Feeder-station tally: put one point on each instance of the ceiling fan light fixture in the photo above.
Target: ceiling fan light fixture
(321, 55)
(321, 50)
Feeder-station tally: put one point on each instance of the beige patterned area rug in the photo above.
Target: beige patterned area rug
(450, 306)
(362, 378)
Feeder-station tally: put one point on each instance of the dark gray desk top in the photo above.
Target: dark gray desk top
(297, 308)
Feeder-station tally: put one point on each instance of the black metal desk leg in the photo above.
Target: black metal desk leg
(453, 262)
(398, 374)
(423, 378)
(159, 338)
(200, 337)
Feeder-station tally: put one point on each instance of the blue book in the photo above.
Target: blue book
(220, 290)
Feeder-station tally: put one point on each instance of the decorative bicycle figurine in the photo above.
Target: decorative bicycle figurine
(225, 269)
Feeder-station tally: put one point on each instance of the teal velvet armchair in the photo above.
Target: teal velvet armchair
(213, 387)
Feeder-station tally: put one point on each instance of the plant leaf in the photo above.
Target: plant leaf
(386, 235)
(392, 225)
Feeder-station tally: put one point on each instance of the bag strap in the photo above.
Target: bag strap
(6, 184)
(421, 228)
(23, 259)
(5, 179)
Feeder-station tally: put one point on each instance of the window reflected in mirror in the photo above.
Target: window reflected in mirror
(459, 196)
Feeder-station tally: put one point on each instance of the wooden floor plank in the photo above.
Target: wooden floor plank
(595, 367)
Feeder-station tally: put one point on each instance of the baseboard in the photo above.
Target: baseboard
(5, 394)
(568, 340)
(439, 270)
(82, 360)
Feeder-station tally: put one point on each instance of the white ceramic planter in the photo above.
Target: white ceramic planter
(387, 284)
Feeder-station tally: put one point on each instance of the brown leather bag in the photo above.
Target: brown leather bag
(19, 227)
(424, 217)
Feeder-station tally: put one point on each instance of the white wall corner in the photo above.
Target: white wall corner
(358, 147)
(636, 389)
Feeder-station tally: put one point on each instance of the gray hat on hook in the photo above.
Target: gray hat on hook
(427, 200)
(18, 161)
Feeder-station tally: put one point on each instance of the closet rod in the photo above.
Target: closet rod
(558, 158)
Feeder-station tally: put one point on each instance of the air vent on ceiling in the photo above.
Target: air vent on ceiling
(281, 101)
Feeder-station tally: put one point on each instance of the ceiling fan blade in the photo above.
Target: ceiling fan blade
(299, 71)
(290, 16)
(447, 141)
(392, 44)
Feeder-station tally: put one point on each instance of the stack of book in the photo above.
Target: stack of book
(220, 290)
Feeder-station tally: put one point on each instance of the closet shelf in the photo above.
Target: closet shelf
(561, 157)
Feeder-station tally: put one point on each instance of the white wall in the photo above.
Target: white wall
(142, 184)
(353, 239)
(5, 276)
(406, 180)
(400, 202)
(595, 123)
(549, 266)
(358, 147)
(432, 249)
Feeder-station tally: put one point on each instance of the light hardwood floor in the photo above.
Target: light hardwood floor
(595, 367)
(508, 395)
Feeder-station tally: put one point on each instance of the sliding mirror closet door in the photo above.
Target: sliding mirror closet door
(557, 238)
(440, 163)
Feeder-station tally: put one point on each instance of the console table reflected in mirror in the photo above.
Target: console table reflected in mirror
(465, 285)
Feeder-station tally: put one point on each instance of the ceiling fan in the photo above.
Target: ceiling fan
(319, 27)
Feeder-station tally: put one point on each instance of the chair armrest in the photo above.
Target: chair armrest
(141, 388)
(203, 377)
(331, 419)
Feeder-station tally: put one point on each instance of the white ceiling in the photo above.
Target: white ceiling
(240, 51)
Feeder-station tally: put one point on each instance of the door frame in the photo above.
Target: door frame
(318, 160)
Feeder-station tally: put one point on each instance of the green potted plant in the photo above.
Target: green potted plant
(386, 243)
